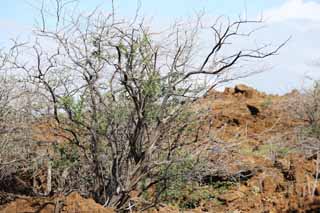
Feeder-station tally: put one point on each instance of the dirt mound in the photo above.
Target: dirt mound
(69, 204)
(245, 112)
(287, 186)
(244, 128)
(264, 156)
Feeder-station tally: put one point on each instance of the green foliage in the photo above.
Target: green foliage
(222, 186)
(120, 110)
(185, 192)
(312, 130)
(265, 150)
(189, 195)
(152, 86)
(152, 112)
(266, 103)
(75, 106)
(66, 156)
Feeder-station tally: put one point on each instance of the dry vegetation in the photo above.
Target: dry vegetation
(129, 118)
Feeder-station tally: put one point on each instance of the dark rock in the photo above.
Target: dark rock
(254, 111)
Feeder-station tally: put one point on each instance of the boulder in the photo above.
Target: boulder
(244, 90)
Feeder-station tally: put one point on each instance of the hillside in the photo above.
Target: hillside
(254, 153)
(265, 155)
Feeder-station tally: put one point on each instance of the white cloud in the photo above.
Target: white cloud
(299, 19)
(294, 10)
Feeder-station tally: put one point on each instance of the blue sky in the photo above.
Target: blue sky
(297, 18)
(21, 11)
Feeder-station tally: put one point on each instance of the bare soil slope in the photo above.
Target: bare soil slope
(265, 154)
(251, 137)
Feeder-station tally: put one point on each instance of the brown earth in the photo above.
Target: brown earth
(72, 203)
(250, 137)
(262, 130)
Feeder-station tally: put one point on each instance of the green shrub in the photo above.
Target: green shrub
(66, 155)
(185, 190)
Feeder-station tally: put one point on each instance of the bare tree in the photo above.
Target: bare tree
(120, 92)
(16, 147)
(305, 107)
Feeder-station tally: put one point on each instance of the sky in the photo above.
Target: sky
(297, 62)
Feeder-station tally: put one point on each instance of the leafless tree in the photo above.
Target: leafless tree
(305, 106)
(120, 91)
(16, 150)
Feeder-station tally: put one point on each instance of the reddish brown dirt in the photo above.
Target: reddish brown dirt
(73, 203)
(265, 142)
(263, 132)
(259, 132)
(231, 118)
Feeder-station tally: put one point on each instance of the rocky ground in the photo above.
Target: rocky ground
(254, 142)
